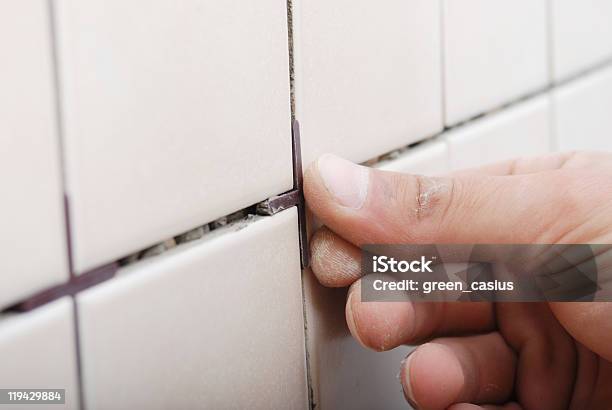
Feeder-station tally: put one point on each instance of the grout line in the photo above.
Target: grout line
(57, 85)
(537, 92)
(311, 399)
(68, 236)
(291, 59)
(297, 185)
(398, 152)
(499, 108)
(79, 356)
(533, 94)
(584, 73)
(74, 285)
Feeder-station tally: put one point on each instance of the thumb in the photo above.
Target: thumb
(366, 205)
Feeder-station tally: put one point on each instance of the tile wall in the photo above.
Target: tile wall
(137, 138)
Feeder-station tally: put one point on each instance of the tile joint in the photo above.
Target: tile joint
(74, 285)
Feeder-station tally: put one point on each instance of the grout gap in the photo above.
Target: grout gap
(194, 234)
(291, 58)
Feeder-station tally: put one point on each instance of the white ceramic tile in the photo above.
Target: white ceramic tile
(217, 323)
(176, 113)
(37, 351)
(33, 244)
(582, 35)
(344, 374)
(583, 113)
(494, 52)
(429, 158)
(521, 130)
(367, 75)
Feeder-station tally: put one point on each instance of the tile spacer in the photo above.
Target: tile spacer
(292, 198)
(298, 185)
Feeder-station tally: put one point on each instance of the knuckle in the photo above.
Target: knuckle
(433, 197)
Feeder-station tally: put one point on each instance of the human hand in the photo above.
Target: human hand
(498, 355)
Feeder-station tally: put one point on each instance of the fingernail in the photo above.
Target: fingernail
(347, 182)
(405, 380)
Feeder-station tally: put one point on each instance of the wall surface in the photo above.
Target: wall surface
(138, 137)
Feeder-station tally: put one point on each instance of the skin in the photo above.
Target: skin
(475, 355)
